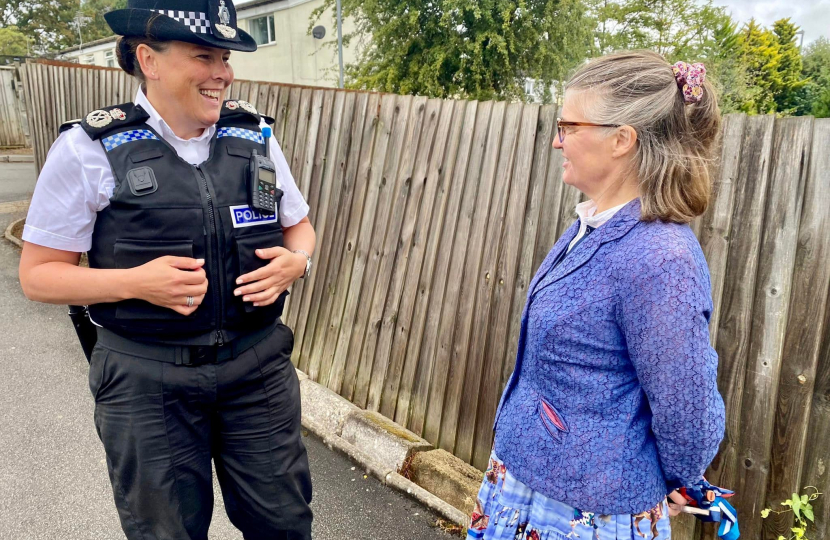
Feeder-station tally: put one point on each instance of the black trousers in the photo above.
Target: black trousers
(162, 424)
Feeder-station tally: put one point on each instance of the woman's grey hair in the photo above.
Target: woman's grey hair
(675, 140)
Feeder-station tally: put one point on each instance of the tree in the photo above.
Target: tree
(761, 56)
(789, 67)
(814, 97)
(677, 29)
(725, 68)
(478, 49)
(49, 25)
(12, 42)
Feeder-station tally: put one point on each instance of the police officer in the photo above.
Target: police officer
(187, 278)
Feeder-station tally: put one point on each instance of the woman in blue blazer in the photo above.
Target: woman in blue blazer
(613, 403)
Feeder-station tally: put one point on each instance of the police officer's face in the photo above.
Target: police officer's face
(191, 81)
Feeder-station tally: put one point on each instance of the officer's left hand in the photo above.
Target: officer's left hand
(263, 286)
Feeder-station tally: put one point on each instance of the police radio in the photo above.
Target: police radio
(262, 180)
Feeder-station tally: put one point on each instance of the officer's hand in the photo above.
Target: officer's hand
(168, 281)
(267, 283)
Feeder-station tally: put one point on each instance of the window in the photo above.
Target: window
(262, 29)
(89, 59)
(109, 58)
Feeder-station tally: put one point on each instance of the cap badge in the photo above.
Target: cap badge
(247, 106)
(98, 118)
(225, 19)
(118, 114)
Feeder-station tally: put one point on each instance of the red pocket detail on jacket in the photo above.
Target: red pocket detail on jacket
(552, 420)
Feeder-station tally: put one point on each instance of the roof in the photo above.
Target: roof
(87, 45)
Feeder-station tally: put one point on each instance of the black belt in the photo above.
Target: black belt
(183, 355)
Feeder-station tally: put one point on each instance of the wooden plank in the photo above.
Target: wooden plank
(30, 90)
(253, 93)
(305, 165)
(802, 342)
(262, 97)
(386, 368)
(334, 178)
(282, 113)
(361, 205)
(503, 290)
(716, 224)
(303, 124)
(385, 239)
(738, 292)
(310, 184)
(457, 249)
(332, 302)
(273, 100)
(816, 471)
(410, 321)
(289, 143)
(488, 233)
(356, 313)
(318, 203)
(543, 156)
(548, 227)
(345, 165)
(791, 156)
(6, 137)
(423, 351)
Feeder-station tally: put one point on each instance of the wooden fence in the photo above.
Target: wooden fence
(432, 216)
(13, 124)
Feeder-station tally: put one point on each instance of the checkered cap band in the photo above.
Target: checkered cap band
(196, 21)
(241, 133)
(114, 141)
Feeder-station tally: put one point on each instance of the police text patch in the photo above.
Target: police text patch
(245, 216)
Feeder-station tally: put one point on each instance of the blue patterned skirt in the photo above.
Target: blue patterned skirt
(507, 509)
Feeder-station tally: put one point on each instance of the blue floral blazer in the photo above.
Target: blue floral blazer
(614, 401)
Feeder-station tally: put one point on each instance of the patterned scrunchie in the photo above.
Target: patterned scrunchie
(690, 78)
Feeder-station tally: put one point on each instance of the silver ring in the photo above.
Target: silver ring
(189, 301)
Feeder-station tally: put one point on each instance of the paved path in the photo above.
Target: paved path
(53, 479)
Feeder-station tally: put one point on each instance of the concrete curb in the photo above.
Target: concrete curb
(11, 238)
(14, 158)
(385, 448)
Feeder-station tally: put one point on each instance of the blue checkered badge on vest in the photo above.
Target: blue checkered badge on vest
(245, 216)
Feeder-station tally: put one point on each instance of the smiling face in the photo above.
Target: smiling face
(588, 151)
(186, 84)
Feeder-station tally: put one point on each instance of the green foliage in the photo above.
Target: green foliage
(49, 25)
(761, 57)
(677, 29)
(464, 48)
(789, 67)
(814, 97)
(802, 509)
(12, 41)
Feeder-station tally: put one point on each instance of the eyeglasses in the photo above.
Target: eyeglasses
(562, 124)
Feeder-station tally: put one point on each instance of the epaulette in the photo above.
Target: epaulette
(69, 124)
(233, 107)
(100, 122)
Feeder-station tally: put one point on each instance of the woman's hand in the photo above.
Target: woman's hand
(168, 281)
(676, 503)
(267, 283)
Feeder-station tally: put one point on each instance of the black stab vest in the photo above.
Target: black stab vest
(162, 205)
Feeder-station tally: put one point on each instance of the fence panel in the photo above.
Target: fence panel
(433, 215)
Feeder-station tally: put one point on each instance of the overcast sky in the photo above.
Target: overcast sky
(813, 16)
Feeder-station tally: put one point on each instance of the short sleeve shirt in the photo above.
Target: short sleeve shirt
(76, 183)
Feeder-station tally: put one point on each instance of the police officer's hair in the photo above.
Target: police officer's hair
(126, 46)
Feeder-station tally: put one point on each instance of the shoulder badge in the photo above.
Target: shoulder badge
(247, 106)
(98, 118)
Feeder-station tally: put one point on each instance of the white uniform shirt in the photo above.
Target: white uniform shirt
(76, 183)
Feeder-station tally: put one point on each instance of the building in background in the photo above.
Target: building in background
(286, 53)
